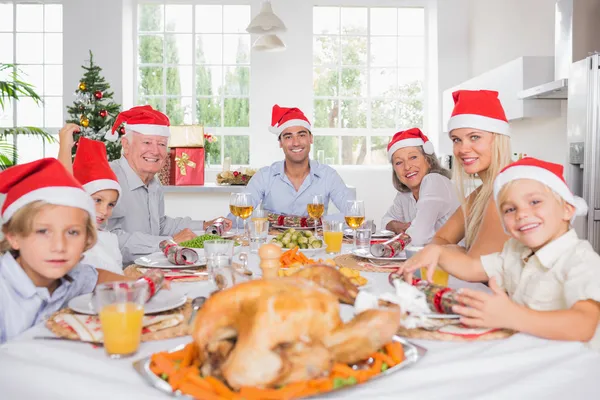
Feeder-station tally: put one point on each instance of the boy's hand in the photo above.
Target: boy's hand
(485, 310)
(65, 135)
(426, 258)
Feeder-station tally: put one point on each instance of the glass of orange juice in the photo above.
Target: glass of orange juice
(440, 277)
(333, 235)
(120, 306)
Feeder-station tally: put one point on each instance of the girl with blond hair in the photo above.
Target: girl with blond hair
(480, 136)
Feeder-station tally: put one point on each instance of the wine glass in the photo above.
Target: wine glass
(244, 208)
(355, 215)
(316, 208)
(233, 198)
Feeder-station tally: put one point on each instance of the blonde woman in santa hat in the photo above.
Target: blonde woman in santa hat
(48, 225)
(91, 169)
(139, 219)
(545, 281)
(426, 197)
(480, 135)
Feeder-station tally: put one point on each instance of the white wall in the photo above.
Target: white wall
(501, 31)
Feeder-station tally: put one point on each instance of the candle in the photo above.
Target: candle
(227, 164)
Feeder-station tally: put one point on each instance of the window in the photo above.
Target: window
(368, 75)
(31, 37)
(194, 64)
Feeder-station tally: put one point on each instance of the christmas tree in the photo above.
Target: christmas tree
(93, 109)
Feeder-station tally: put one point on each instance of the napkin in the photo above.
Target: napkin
(88, 327)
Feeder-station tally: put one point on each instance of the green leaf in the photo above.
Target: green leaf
(16, 87)
(28, 130)
(7, 154)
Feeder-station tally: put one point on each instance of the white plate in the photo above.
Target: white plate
(364, 253)
(163, 301)
(442, 316)
(300, 228)
(377, 235)
(158, 260)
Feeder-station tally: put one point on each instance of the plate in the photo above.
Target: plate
(163, 301)
(412, 354)
(364, 253)
(442, 316)
(299, 228)
(377, 235)
(158, 260)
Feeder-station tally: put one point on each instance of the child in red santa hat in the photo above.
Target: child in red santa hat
(93, 172)
(48, 224)
(552, 277)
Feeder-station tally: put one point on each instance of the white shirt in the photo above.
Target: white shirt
(23, 305)
(105, 254)
(557, 276)
(437, 202)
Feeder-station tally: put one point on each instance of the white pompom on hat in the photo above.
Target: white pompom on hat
(409, 138)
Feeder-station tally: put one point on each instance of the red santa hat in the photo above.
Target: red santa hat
(478, 109)
(547, 173)
(283, 117)
(46, 180)
(91, 167)
(409, 138)
(141, 119)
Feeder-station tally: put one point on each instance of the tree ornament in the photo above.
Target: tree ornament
(85, 122)
(122, 130)
(103, 113)
(82, 86)
(98, 95)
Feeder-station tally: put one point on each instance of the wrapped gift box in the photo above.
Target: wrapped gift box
(187, 166)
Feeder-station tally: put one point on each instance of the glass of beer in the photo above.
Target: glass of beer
(315, 209)
(355, 215)
(233, 208)
(120, 306)
(244, 209)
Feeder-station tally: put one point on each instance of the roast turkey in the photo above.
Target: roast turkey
(269, 333)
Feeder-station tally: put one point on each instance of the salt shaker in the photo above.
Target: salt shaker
(269, 255)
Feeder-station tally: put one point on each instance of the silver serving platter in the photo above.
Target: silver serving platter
(412, 354)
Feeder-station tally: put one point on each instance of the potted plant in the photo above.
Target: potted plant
(13, 89)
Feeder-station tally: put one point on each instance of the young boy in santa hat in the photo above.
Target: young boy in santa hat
(48, 225)
(551, 276)
(93, 172)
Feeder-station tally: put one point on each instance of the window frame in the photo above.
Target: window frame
(427, 97)
(221, 131)
(47, 148)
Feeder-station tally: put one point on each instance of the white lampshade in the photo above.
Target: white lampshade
(266, 21)
(268, 43)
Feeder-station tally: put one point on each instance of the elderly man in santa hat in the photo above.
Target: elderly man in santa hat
(286, 187)
(139, 218)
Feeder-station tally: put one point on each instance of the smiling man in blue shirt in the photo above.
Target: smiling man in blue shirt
(286, 187)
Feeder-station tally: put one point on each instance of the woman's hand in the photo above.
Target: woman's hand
(426, 258)
(483, 310)
(65, 135)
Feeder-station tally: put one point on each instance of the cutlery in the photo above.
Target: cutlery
(197, 304)
(68, 340)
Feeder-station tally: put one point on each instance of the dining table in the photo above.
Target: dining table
(518, 367)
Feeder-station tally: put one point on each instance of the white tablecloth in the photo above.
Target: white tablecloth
(521, 367)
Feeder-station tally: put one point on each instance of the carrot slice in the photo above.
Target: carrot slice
(178, 378)
(385, 358)
(164, 364)
(344, 370)
(396, 351)
(198, 392)
(189, 352)
(196, 379)
(219, 387)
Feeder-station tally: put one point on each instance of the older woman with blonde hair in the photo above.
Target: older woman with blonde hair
(480, 135)
(426, 197)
